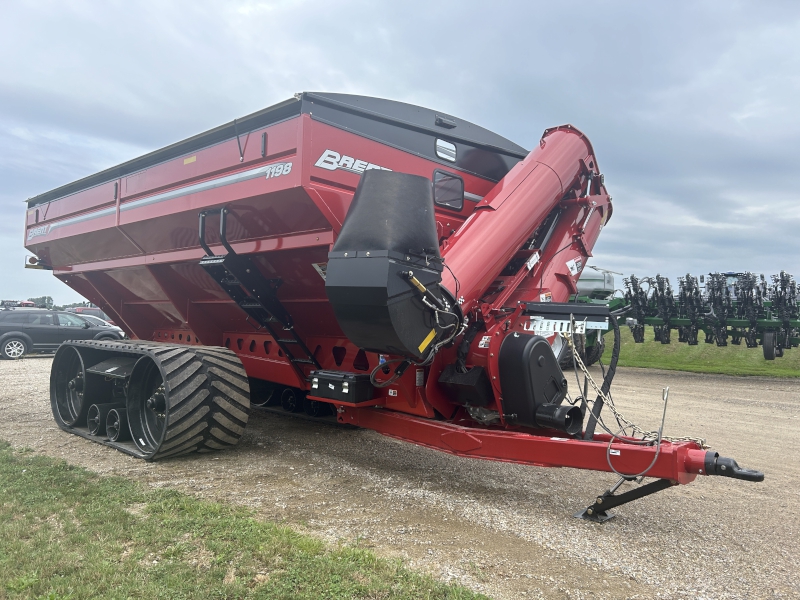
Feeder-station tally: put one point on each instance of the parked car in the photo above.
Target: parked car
(90, 310)
(102, 323)
(27, 330)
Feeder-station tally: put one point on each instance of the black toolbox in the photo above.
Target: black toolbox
(353, 388)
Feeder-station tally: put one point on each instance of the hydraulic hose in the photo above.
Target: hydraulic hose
(609, 377)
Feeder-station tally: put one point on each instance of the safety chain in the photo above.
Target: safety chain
(626, 423)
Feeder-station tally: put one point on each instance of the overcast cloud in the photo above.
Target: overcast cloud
(692, 107)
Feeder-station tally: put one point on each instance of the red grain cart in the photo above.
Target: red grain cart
(397, 267)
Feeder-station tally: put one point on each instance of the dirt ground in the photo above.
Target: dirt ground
(503, 529)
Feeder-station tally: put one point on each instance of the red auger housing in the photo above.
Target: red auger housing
(398, 267)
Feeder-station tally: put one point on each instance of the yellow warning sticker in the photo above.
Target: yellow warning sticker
(189, 160)
(426, 342)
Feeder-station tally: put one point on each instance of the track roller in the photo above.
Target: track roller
(97, 416)
(292, 400)
(117, 425)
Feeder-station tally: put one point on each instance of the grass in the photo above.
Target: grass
(703, 358)
(68, 533)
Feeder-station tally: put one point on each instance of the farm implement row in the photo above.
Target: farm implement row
(732, 307)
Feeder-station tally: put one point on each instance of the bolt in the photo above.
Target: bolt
(589, 511)
(599, 500)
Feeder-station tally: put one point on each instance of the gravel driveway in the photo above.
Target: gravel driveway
(503, 529)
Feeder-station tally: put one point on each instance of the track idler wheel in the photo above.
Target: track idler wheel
(68, 387)
(183, 399)
(117, 428)
(97, 417)
(292, 400)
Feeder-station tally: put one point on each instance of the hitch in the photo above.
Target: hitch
(727, 467)
(712, 464)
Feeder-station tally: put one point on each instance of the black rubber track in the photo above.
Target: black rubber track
(207, 396)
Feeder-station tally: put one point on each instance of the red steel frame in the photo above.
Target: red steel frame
(137, 259)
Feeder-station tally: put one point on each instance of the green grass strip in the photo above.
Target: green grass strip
(68, 533)
(703, 358)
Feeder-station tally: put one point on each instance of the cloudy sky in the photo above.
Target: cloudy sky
(692, 107)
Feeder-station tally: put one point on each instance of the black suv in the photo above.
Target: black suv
(26, 330)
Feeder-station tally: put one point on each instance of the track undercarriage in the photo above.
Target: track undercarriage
(150, 400)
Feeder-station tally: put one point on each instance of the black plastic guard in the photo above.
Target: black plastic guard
(472, 388)
(389, 233)
(529, 377)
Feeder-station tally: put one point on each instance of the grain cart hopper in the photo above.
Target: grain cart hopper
(399, 268)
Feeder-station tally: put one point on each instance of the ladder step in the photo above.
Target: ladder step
(292, 341)
(248, 303)
(304, 361)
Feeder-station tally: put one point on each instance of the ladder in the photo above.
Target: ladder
(256, 295)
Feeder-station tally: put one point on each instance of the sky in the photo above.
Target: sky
(692, 107)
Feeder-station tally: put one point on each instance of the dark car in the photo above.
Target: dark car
(90, 310)
(26, 330)
(101, 323)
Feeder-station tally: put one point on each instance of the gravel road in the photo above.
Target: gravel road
(503, 529)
